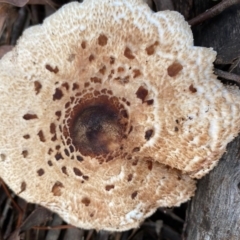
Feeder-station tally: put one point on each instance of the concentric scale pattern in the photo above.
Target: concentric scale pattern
(108, 112)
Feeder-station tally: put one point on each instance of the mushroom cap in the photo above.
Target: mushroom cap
(108, 111)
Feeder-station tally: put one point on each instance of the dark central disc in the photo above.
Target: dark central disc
(97, 130)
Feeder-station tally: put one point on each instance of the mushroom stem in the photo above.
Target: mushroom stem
(212, 12)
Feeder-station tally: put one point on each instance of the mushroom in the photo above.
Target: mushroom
(108, 112)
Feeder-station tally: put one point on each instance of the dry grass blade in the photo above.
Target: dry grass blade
(10, 197)
(8, 14)
(4, 9)
(38, 216)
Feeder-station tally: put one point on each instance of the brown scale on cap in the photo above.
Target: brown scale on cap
(52, 69)
(111, 115)
(151, 49)
(174, 69)
(37, 86)
(57, 189)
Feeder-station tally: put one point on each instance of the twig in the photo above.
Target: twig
(53, 227)
(227, 75)
(212, 12)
